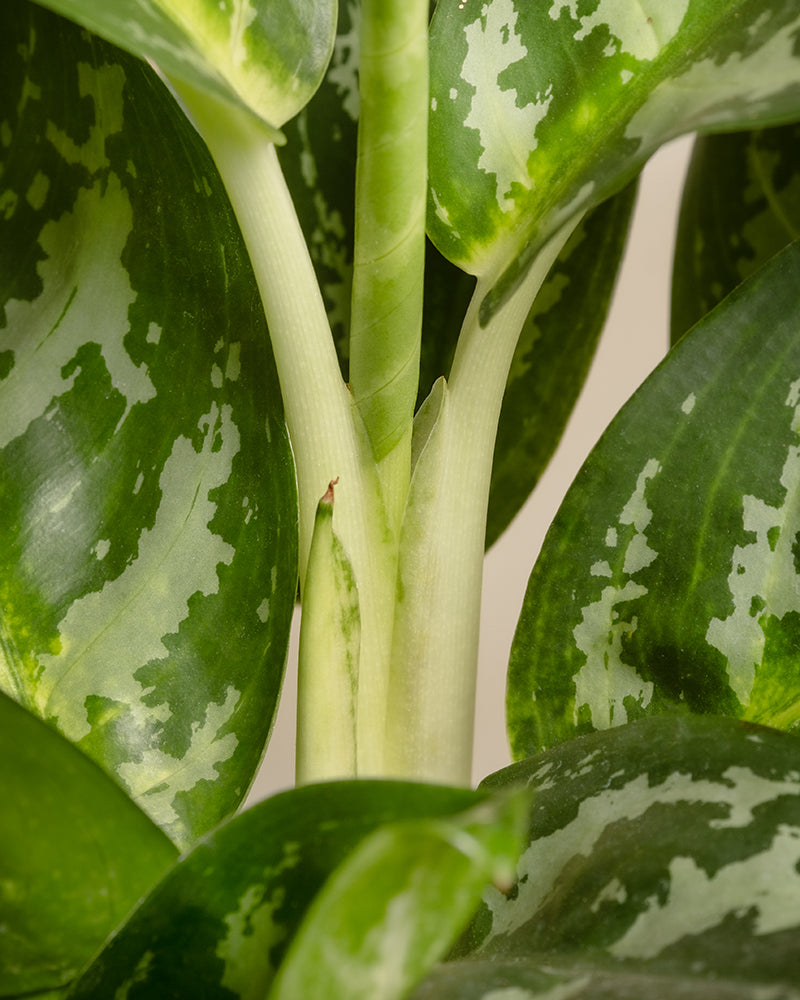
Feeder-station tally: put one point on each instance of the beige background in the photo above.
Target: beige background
(634, 341)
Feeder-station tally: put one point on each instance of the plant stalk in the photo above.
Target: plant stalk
(325, 428)
(435, 645)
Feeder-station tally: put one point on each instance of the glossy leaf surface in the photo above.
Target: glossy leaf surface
(541, 110)
(662, 862)
(741, 205)
(668, 581)
(220, 923)
(397, 903)
(268, 55)
(75, 855)
(148, 528)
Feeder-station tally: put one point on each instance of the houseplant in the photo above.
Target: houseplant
(152, 533)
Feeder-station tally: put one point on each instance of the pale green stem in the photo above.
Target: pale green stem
(325, 430)
(434, 656)
(389, 251)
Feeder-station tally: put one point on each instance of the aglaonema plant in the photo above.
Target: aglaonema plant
(292, 293)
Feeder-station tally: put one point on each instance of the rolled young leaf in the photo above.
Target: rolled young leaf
(220, 922)
(147, 499)
(268, 55)
(330, 638)
(559, 338)
(541, 110)
(668, 581)
(740, 206)
(75, 855)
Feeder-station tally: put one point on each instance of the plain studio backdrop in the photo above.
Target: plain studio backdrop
(634, 341)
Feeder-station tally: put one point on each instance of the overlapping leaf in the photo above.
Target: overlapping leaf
(541, 110)
(147, 505)
(75, 856)
(662, 862)
(741, 205)
(221, 921)
(669, 579)
(268, 55)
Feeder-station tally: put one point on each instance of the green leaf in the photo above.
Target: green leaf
(662, 856)
(148, 529)
(668, 581)
(541, 110)
(75, 855)
(269, 56)
(393, 908)
(741, 205)
(219, 924)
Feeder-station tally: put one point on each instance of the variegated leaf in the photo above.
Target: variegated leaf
(741, 205)
(220, 922)
(75, 856)
(669, 579)
(147, 505)
(541, 110)
(663, 860)
(268, 55)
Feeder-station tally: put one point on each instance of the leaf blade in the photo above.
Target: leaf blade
(674, 591)
(147, 562)
(666, 849)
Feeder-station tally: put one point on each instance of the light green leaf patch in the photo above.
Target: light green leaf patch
(639, 30)
(763, 580)
(391, 910)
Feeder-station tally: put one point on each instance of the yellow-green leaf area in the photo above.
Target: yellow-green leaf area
(272, 54)
(268, 56)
